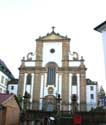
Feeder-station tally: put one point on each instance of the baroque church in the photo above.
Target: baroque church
(54, 72)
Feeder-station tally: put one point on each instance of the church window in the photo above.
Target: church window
(74, 80)
(51, 75)
(28, 81)
(52, 50)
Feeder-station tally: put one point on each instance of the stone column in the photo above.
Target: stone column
(39, 46)
(65, 90)
(21, 84)
(82, 87)
(36, 89)
(65, 76)
(31, 88)
(65, 53)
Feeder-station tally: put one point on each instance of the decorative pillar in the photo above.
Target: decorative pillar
(21, 84)
(39, 46)
(82, 86)
(36, 89)
(65, 90)
(65, 53)
(25, 86)
(31, 88)
(65, 75)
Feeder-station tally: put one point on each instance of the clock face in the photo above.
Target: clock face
(52, 50)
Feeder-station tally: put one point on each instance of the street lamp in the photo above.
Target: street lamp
(74, 103)
(26, 100)
(58, 99)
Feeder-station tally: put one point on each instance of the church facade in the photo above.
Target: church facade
(53, 72)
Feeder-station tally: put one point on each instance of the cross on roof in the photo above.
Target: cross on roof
(53, 28)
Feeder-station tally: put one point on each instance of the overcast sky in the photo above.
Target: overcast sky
(23, 21)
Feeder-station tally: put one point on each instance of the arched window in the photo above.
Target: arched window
(28, 80)
(51, 75)
(74, 79)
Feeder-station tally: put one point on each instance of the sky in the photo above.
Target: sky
(23, 21)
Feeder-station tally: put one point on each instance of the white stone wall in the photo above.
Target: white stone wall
(13, 88)
(3, 83)
(91, 102)
(104, 47)
(56, 56)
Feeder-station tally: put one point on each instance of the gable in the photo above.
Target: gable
(52, 36)
(8, 100)
(11, 102)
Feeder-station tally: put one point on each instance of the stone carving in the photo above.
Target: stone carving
(74, 55)
(29, 56)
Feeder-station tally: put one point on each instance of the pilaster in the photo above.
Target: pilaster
(36, 88)
(39, 46)
(82, 89)
(65, 88)
(21, 84)
(65, 53)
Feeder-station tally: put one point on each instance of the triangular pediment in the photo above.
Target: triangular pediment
(52, 36)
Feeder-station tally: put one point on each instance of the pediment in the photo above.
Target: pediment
(52, 36)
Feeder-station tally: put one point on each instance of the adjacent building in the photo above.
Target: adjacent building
(12, 86)
(91, 94)
(102, 29)
(53, 74)
(9, 109)
(5, 76)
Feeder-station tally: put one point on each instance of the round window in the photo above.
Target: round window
(52, 50)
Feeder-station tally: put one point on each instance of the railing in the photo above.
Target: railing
(55, 106)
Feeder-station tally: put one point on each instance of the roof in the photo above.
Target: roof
(4, 97)
(52, 37)
(101, 27)
(5, 70)
(13, 82)
(90, 82)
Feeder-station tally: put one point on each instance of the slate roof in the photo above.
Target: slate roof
(5, 70)
(13, 82)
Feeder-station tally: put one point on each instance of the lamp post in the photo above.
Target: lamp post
(26, 100)
(58, 99)
(74, 103)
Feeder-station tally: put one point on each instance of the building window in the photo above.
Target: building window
(92, 96)
(51, 75)
(74, 80)
(1, 90)
(12, 87)
(91, 88)
(2, 79)
(28, 81)
(52, 50)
